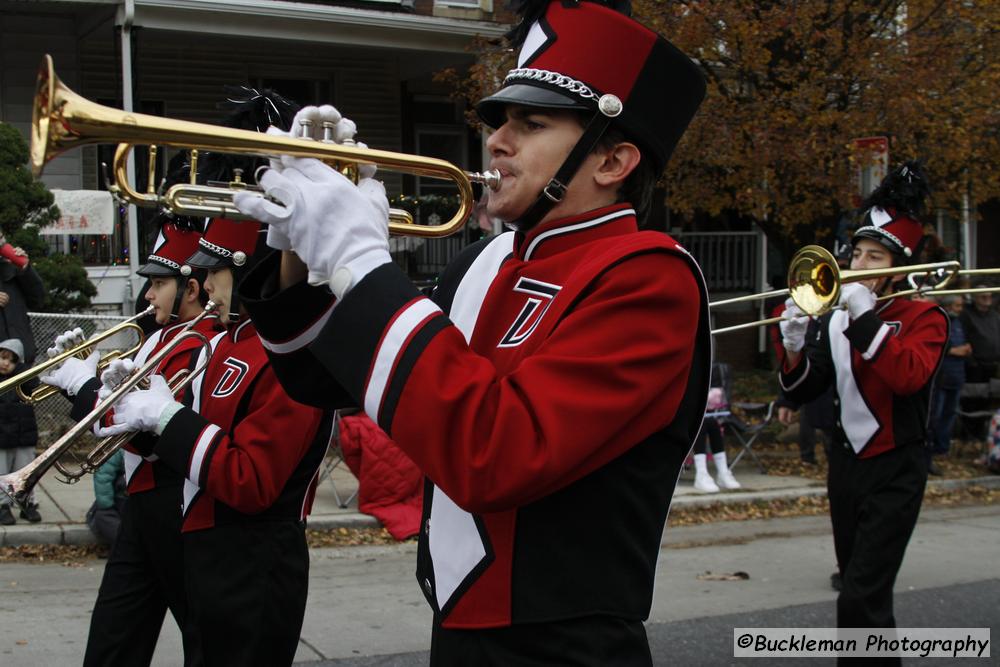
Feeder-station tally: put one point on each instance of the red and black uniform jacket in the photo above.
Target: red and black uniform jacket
(550, 392)
(246, 450)
(144, 473)
(882, 366)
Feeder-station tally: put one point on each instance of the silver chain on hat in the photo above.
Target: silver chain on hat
(554, 78)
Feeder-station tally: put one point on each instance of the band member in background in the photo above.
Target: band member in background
(250, 457)
(558, 377)
(144, 574)
(881, 358)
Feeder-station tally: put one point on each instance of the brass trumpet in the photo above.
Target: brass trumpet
(44, 391)
(62, 120)
(815, 279)
(19, 485)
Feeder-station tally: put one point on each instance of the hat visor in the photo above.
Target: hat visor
(205, 260)
(153, 269)
(491, 109)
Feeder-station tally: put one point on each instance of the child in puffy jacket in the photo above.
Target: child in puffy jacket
(104, 516)
(18, 430)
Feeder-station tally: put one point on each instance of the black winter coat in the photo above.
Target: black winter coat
(18, 426)
(26, 292)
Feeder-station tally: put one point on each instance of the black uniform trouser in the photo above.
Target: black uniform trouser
(874, 504)
(590, 640)
(142, 579)
(246, 586)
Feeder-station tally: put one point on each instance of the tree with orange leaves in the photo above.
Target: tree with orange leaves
(792, 83)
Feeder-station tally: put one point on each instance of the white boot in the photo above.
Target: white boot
(702, 480)
(723, 476)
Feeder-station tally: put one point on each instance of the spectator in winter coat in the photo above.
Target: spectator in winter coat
(18, 430)
(21, 290)
(105, 515)
(948, 386)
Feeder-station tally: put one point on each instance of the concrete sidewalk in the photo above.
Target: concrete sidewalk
(64, 506)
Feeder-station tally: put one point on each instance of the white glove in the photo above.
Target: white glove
(858, 299)
(341, 132)
(793, 327)
(65, 341)
(340, 231)
(73, 373)
(114, 375)
(142, 409)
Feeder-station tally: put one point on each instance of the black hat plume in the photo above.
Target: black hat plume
(904, 190)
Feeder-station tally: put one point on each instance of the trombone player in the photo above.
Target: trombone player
(881, 359)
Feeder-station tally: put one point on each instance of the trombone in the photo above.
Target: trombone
(935, 290)
(815, 279)
(19, 485)
(62, 120)
(44, 391)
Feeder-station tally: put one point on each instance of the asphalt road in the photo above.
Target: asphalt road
(365, 608)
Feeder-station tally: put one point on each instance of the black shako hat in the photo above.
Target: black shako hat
(583, 55)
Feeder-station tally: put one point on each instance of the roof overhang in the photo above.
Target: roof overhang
(300, 21)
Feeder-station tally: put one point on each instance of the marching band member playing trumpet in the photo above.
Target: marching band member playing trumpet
(881, 358)
(144, 575)
(250, 457)
(557, 378)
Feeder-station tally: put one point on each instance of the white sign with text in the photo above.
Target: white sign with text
(83, 212)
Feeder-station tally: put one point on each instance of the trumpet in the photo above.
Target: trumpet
(19, 485)
(45, 391)
(62, 120)
(815, 279)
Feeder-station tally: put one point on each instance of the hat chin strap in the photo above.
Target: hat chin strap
(554, 192)
(178, 296)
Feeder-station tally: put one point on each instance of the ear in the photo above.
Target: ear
(191, 290)
(617, 163)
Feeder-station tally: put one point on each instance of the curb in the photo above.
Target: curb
(78, 534)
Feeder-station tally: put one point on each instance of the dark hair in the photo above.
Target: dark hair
(637, 189)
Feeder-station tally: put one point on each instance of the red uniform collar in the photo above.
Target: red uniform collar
(554, 236)
(240, 331)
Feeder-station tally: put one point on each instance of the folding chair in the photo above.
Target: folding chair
(746, 434)
(334, 457)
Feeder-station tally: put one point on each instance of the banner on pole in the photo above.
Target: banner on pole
(871, 164)
(83, 212)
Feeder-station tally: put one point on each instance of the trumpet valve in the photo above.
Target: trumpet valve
(306, 125)
(328, 132)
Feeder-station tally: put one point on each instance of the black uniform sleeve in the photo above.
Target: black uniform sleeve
(286, 321)
(814, 372)
(85, 399)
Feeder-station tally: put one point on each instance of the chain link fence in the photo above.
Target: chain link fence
(53, 413)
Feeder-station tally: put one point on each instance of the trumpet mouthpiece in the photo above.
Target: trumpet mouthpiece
(490, 179)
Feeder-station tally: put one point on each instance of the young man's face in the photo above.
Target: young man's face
(870, 254)
(528, 149)
(160, 295)
(219, 286)
(7, 362)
